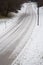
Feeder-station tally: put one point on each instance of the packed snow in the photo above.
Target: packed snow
(21, 39)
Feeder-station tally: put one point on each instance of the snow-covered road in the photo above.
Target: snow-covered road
(32, 53)
(18, 38)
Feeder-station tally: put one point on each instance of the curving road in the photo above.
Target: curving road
(15, 33)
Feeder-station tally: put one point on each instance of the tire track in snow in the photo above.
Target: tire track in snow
(13, 47)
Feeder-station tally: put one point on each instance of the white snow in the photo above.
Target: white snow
(21, 40)
(32, 53)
